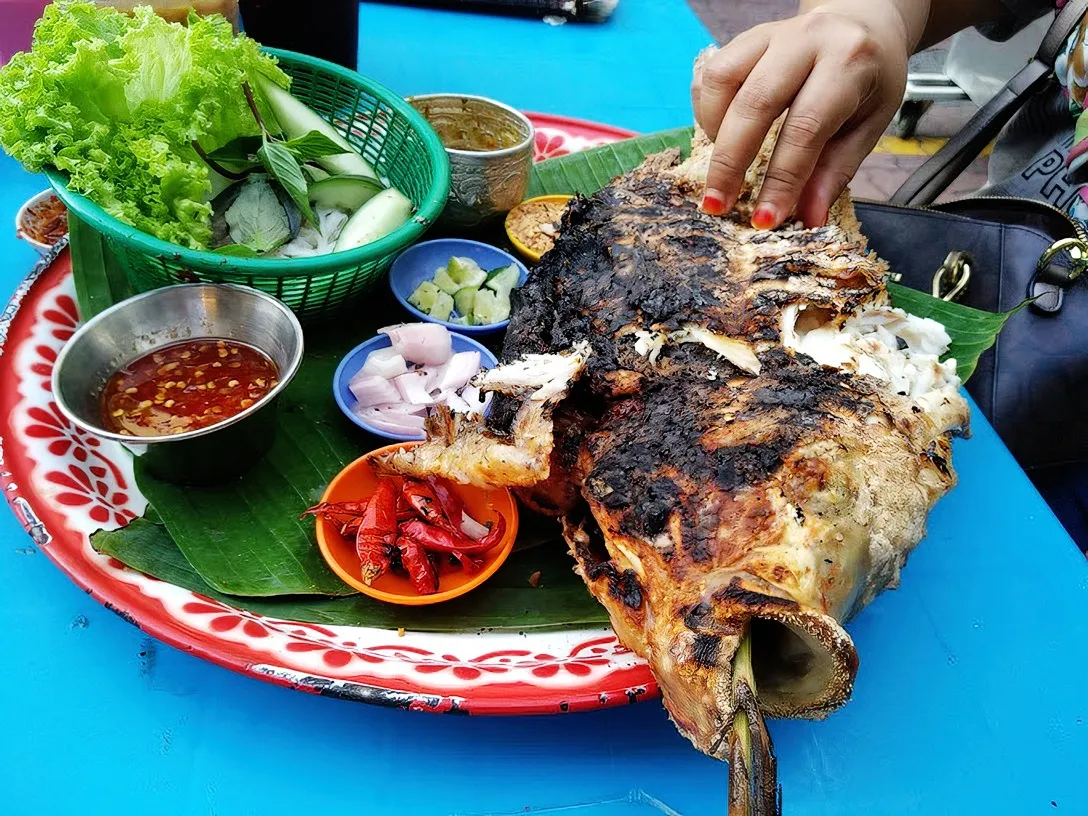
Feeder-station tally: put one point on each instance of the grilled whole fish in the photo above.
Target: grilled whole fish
(748, 436)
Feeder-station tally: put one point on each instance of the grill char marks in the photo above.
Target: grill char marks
(695, 496)
(693, 442)
(640, 255)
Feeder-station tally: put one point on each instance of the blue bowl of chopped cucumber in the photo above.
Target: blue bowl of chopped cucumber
(460, 284)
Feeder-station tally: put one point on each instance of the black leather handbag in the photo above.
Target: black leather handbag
(992, 254)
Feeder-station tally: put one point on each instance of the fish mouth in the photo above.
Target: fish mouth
(804, 663)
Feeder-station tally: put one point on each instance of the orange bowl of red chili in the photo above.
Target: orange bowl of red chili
(405, 550)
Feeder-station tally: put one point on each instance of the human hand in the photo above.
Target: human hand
(840, 69)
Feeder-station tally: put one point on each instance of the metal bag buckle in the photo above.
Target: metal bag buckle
(953, 276)
(1048, 284)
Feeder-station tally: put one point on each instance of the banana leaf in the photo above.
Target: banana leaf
(587, 172)
(242, 541)
(972, 330)
(506, 602)
(100, 283)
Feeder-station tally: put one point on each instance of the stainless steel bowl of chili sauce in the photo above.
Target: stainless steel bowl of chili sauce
(186, 377)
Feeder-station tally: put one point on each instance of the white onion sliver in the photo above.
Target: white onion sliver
(422, 343)
(412, 388)
(386, 366)
(386, 353)
(373, 391)
(472, 528)
(409, 421)
(391, 424)
(461, 368)
(430, 377)
(454, 402)
(402, 409)
(477, 400)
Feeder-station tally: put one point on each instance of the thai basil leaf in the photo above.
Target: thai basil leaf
(282, 165)
(313, 145)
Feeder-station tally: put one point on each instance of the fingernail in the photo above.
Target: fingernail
(765, 217)
(713, 202)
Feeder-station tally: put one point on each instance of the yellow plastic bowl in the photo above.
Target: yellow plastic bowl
(522, 249)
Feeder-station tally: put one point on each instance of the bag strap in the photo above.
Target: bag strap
(933, 177)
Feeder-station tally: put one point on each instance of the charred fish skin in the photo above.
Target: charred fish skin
(753, 443)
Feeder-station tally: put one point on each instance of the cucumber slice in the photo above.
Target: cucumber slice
(503, 280)
(386, 212)
(444, 282)
(296, 119)
(489, 307)
(443, 306)
(425, 296)
(346, 193)
(466, 272)
(463, 300)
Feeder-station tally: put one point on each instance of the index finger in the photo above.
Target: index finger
(765, 94)
(717, 82)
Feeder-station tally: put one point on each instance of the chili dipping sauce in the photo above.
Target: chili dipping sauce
(45, 222)
(186, 386)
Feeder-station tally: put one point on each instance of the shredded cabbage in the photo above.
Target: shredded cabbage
(311, 240)
(116, 101)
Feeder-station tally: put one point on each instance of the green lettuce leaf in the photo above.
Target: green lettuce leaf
(116, 101)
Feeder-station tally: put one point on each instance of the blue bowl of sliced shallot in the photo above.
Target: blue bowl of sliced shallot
(389, 384)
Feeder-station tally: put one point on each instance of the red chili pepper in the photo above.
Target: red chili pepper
(377, 531)
(374, 557)
(430, 509)
(494, 535)
(421, 571)
(436, 539)
(403, 506)
(451, 503)
(469, 564)
(326, 509)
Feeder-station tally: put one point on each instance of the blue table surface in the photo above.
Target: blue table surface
(969, 698)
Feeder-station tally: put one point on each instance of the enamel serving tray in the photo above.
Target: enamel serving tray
(64, 484)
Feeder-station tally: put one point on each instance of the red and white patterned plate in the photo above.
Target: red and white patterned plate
(64, 484)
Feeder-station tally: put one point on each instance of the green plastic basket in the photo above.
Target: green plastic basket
(397, 141)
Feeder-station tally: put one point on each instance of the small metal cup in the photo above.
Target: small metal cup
(484, 184)
(136, 326)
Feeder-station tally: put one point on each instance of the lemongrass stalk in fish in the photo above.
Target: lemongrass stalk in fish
(738, 433)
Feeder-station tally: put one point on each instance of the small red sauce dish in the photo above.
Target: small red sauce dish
(42, 221)
(358, 482)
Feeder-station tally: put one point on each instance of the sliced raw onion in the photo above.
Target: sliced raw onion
(472, 528)
(461, 368)
(454, 402)
(399, 424)
(477, 400)
(403, 409)
(413, 388)
(397, 385)
(422, 343)
(384, 363)
(373, 390)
